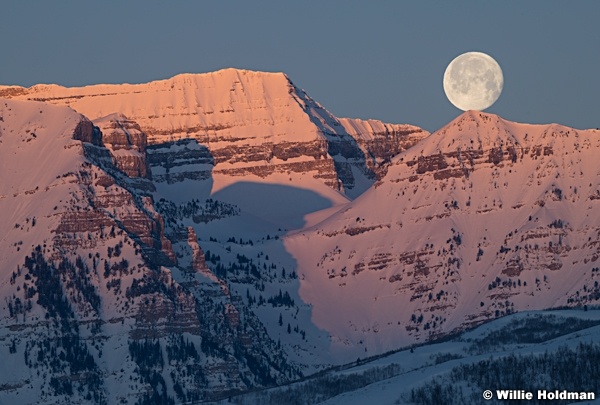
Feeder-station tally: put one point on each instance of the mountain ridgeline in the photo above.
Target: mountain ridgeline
(196, 237)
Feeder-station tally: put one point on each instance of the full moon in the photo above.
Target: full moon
(473, 81)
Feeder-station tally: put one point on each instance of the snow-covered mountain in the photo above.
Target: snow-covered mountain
(92, 292)
(209, 234)
(153, 251)
(482, 218)
(255, 125)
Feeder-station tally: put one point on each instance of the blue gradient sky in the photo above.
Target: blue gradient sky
(383, 60)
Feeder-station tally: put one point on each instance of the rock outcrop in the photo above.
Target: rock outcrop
(127, 144)
(85, 131)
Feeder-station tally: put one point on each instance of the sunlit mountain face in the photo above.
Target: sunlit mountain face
(205, 235)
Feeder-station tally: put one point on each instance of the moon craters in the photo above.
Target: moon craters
(473, 81)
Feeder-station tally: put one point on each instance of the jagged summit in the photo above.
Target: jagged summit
(475, 133)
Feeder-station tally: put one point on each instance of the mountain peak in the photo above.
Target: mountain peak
(473, 121)
(232, 70)
(475, 130)
(477, 116)
(250, 122)
(227, 75)
(10, 91)
(463, 227)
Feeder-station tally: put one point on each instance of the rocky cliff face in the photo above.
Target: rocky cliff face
(251, 122)
(127, 144)
(86, 132)
(173, 162)
(380, 142)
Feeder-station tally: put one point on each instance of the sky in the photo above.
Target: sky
(382, 59)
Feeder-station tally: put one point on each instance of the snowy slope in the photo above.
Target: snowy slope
(482, 218)
(391, 378)
(48, 222)
(28, 131)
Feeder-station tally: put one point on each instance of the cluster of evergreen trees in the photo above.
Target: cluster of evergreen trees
(319, 389)
(199, 212)
(529, 330)
(571, 369)
(151, 283)
(61, 351)
(281, 299)
(147, 354)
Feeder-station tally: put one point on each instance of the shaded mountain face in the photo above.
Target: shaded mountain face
(482, 218)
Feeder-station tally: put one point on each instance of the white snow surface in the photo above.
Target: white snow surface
(422, 364)
(36, 148)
